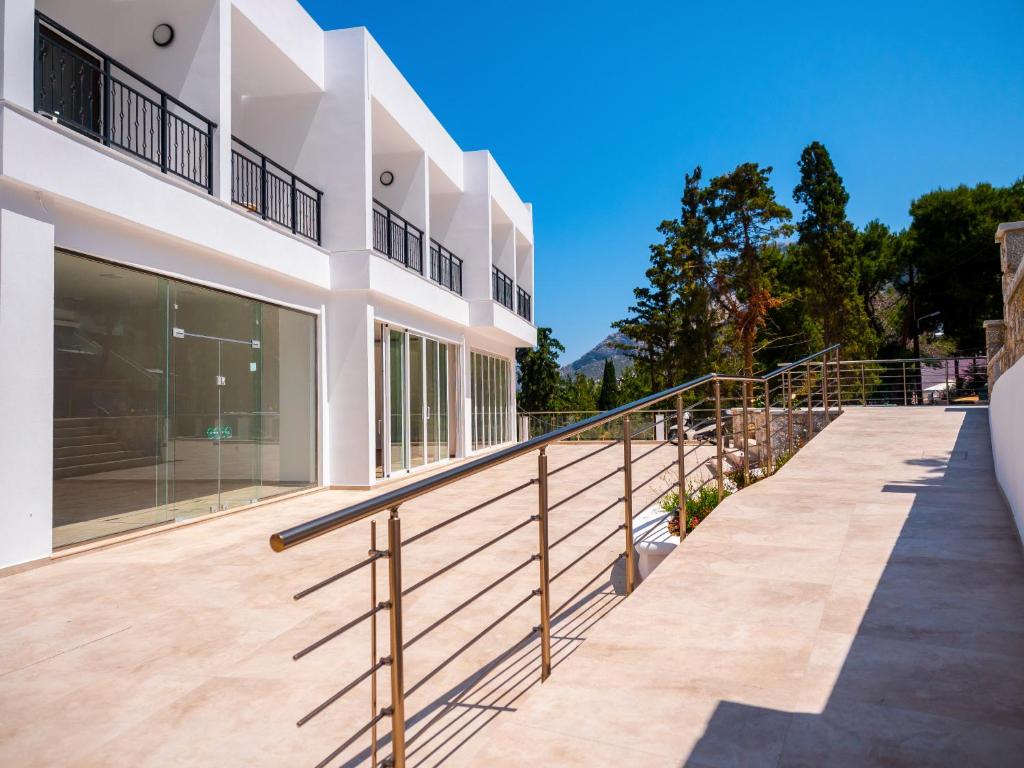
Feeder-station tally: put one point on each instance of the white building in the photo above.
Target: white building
(239, 258)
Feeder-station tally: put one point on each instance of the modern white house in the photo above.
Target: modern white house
(239, 258)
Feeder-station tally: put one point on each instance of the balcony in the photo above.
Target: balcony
(274, 193)
(80, 87)
(396, 238)
(445, 267)
(501, 285)
(524, 304)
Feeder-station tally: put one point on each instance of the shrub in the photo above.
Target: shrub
(699, 503)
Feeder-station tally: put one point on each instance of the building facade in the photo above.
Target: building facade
(239, 258)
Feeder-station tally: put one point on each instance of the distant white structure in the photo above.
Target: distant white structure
(239, 257)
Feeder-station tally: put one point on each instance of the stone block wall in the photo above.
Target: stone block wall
(1004, 338)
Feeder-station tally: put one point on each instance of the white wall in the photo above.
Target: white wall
(1006, 421)
(26, 388)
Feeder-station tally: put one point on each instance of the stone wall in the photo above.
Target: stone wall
(1004, 338)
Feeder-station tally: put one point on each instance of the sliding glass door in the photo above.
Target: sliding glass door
(492, 397)
(416, 387)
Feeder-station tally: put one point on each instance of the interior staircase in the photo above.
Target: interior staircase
(81, 447)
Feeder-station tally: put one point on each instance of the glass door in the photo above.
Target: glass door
(414, 392)
(216, 444)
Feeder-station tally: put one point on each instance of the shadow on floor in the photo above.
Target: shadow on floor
(934, 671)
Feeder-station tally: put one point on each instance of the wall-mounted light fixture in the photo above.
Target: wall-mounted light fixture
(387, 178)
(163, 34)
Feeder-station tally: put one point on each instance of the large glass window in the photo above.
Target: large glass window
(416, 389)
(491, 394)
(172, 400)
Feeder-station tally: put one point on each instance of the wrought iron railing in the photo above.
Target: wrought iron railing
(274, 193)
(758, 422)
(396, 238)
(445, 267)
(524, 304)
(81, 87)
(501, 287)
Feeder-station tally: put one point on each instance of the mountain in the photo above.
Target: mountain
(591, 364)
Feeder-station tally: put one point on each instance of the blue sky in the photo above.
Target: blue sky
(595, 111)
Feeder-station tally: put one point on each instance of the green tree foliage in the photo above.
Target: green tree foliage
(539, 376)
(745, 221)
(949, 245)
(672, 323)
(608, 397)
(826, 258)
(578, 393)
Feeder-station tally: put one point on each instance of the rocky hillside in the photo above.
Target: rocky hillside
(592, 363)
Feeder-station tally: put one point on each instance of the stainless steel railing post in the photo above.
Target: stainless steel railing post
(373, 644)
(810, 409)
(824, 387)
(397, 655)
(627, 472)
(839, 383)
(681, 460)
(746, 437)
(545, 582)
(718, 438)
(789, 411)
(768, 427)
(863, 386)
(904, 383)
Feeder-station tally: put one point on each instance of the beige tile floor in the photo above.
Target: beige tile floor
(175, 649)
(864, 607)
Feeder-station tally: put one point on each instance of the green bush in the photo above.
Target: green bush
(699, 503)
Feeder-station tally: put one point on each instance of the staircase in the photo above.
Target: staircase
(81, 447)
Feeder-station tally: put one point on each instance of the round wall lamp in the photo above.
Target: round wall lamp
(387, 178)
(163, 34)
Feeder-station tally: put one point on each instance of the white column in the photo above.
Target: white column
(17, 35)
(26, 388)
(349, 423)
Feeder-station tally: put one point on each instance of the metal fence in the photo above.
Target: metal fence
(81, 87)
(524, 304)
(501, 285)
(274, 193)
(755, 424)
(445, 267)
(396, 238)
(915, 381)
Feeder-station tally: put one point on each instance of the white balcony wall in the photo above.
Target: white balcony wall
(502, 241)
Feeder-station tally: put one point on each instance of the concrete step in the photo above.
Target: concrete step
(59, 431)
(67, 442)
(95, 458)
(107, 466)
(85, 449)
(86, 421)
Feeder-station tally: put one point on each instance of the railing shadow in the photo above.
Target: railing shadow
(933, 671)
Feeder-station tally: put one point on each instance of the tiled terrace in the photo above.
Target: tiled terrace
(175, 649)
(863, 607)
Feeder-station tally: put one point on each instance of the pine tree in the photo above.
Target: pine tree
(745, 221)
(608, 397)
(826, 254)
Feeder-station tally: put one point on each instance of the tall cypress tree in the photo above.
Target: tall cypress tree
(827, 259)
(608, 397)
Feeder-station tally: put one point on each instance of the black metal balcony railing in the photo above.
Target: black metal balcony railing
(271, 191)
(502, 287)
(445, 267)
(396, 238)
(81, 87)
(523, 304)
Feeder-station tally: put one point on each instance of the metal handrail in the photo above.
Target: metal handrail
(332, 521)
